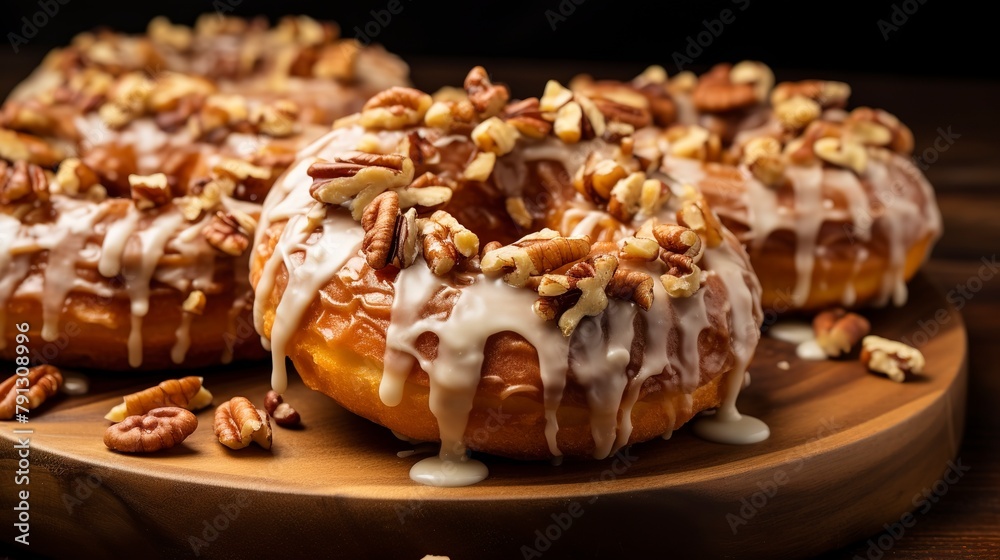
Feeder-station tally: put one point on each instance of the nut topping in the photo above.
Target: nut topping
(75, 177)
(22, 182)
(228, 233)
(537, 253)
(395, 108)
(632, 285)
(186, 392)
(795, 113)
(526, 117)
(697, 215)
(762, 155)
(149, 191)
(29, 391)
(349, 174)
(195, 302)
(842, 152)
(828, 94)
(238, 423)
(876, 127)
(495, 135)
(837, 331)
(590, 279)
(160, 428)
(487, 98)
(894, 359)
(390, 236)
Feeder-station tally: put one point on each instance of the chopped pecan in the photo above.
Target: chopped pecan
(149, 191)
(481, 167)
(338, 61)
(837, 331)
(894, 359)
(395, 108)
(876, 127)
(495, 135)
(585, 285)
(681, 252)
(390, 236)
(626, 195)
(537, 253)
(716, 92)
(351, 173)
(29, 391)
(219, 112)
(283, 413)
(453, 116)
(842, 152)
(186, 392)
(518, 211)
(488, 98)
(632, 285)
(228, 233)
(694, 142)
(428, 190)
(162, 31)
(554, 97)
(643, 245)
(800, 150)
(696, 214)
(828, 94)
(597, 177)
(526, 117)
(22, 182)
(420, 150)
(762, 155)
(195, 302)
(238, 423)
(170, 88)
(15, 146)
(276, 119)
(160, 428)
(795, 113)
(75, 177)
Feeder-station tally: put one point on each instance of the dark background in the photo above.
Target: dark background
(939, 38)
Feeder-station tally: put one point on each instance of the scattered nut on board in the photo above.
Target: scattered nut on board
(186, 392)
(838, 331)
(238, 423)
(41, 381)
(160, 428)
(894, 359)
(284, 415)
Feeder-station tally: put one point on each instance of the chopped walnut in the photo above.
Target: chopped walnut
(395, 108)
(149, 191)
(837, 331)
(488, 98)
(227, 233)
(894, 359)
(158, 429)
(238, 423)
(537, 253)
(390, 236)
(39, 384)
(187, 392)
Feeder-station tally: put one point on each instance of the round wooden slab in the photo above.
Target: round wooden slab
(848, 452)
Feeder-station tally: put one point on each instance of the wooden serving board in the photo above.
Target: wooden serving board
(848, 453)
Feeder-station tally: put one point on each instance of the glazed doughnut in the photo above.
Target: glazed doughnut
(828, 202)
(132, 170)
(466, 270)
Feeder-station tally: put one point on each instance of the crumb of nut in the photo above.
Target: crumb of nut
(149, 191)
(894, 359)
(284, 415)
(481, 167)
(783, 365)
(195, 302)
(238, 423)
(42, 382)
(838, 331)
(187, 392)
(842, 152)
(158, 429)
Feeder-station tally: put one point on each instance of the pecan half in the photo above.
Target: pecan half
(390, 236)
(837, 331)
(29, 391)
(160, 428)
(632, 285)
(445, 242)
(238, 423)
(716, 92)
(681, 252)
(395, 108)
(353, 173)
(537, 253)
(186, 392)
(228, 232)
(894, 359)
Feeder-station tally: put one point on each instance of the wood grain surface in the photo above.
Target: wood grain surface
(964, 522)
